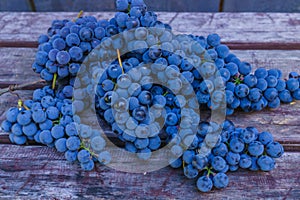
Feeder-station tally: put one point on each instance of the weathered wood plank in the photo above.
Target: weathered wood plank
(107, 5)
(28, 26)
(15, 65)
(261, 6)
(241, 27)
(233, 27)
(31, 172)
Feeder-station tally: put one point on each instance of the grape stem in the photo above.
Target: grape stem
(80, 14)
(120, 61)
(12, 88)
(54, 81)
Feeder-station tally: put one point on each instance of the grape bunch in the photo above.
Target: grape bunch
(236, 148)
(68, 44)
(148, 85)
(49, 120)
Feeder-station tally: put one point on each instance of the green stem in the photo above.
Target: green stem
(54, 81)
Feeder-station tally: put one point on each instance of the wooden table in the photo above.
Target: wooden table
(268, 40)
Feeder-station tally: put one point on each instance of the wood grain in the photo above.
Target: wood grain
(26, 26)
(233, 27)
(15, 65)
(241, 27)
(28, 172)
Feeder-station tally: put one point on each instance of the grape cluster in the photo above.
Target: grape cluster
(49, 120)
(148, 84)
(68, 43)
(247, 90)
(236, 148)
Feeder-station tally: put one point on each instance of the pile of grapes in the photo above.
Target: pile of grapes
(148, 85)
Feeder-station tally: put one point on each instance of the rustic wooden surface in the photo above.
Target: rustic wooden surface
(241, 28)
(263, 39)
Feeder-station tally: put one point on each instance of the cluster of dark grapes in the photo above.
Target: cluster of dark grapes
(248, 91)
(236, 148)
(149, 95)
(49, 120)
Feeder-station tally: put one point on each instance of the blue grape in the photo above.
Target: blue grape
(232, 158)
(60, 145)
(72, 40)
(98, 143)
(6, 126)
(52, 113)
(213, 40)
(46, 137)
(83, 156)
(188, 156)
(86, 34)
(154, 143)
(24, 117)
(104, 157)
(11, 115)
(271, 94)
(256, 148)
(245, 161)
(63, 57)
(250, 80)
(262, 84)
(41, 57)
(73, 143)
(71, 156)
(76, 53)
(296, 94)
(220, 180)
(265, 138)
(244, 67)
(218, 163)
(292, 84)
(261, 73)
(144, 154)
(232, 68)
(204, 184)
(71, 129)
(141, 143)
(275, 103)
(88, 166)
(285, 96)
(30, 129)
(16, 129)
(241, 90)
(236, 145)
(274, 149)
(19, 140)
(281, 85)
(59, 44)
(266, 163)
(220, 150)
(175, 163)
(57, 131)
(190, 172)
(222, 51)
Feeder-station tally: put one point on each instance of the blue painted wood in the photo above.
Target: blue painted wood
(261, 6)
(108, 5)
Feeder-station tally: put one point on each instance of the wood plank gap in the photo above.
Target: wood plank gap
(231, 45)
(288, 146)
(263, 46)
(30, 87)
